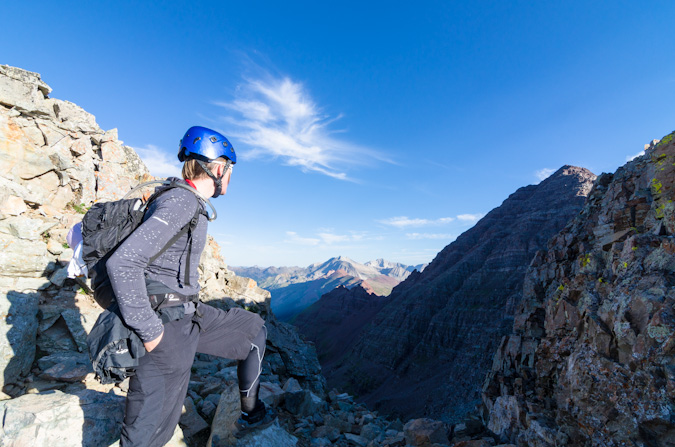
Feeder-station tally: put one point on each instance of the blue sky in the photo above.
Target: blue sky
(363, 129)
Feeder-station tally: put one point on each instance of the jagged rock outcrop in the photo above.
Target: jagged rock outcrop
(428, 350)
(54, 163)
(335, 322)
(591, 360)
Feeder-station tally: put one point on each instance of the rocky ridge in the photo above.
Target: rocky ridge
(427, 351)
(591, 358)
(56, 162)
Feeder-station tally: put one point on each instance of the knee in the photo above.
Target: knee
(261, 338)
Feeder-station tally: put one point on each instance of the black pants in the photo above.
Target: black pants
(157, 391)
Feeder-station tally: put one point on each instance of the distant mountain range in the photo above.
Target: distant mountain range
(295, 288)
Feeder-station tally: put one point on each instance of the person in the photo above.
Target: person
(144, 289)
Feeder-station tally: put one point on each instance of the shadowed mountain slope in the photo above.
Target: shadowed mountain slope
(335, 321)
(428, 350)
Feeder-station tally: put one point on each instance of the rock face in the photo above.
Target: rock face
(54, 163)
(428, 350)
(335, 322)
(591, 360)
(84, 418)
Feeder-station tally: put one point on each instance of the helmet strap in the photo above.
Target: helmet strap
(217, 181)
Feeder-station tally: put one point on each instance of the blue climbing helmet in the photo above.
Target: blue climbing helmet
(205, 145)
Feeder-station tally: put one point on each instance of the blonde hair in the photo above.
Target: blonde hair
(193, 171)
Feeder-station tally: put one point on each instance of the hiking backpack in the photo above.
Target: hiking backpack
(106, 225)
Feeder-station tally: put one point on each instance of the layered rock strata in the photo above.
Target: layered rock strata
(428, 350)
(591, 360)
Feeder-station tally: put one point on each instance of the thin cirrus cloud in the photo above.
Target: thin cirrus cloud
(404, 221)
(294, 238)
(326, 238)
(407, 222)
(159, 162)
(420, 236)
(278, 118)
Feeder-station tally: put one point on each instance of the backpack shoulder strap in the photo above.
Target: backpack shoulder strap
(187, 228)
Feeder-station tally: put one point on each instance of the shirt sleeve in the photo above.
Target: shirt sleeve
(169, 213)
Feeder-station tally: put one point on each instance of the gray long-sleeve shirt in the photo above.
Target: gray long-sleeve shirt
(129, 266)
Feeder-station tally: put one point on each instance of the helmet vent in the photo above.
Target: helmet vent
(196, 139)
(213, 139)
(225, 143)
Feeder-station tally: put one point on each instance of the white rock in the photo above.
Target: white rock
(27, 284)
(26, 228)
(8, 187)
(24, 91)
(19, 157)
(74, 117)
(12, 206)
(22, 257)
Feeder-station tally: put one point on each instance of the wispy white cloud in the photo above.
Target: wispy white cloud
(330, 238)
(404, 221)
(633, 157)
(293, 238)
(326, 237)
(158, 161)
(543, 174)
(278, 118)
(419, 236)
(470, 217)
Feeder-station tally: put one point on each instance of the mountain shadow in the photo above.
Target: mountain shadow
(428, 350)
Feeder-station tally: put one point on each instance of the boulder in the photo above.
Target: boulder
(82, 419)
(12, 206)
(18, 330)
(227, 413)
(190, 421)
(267, 437)
(327, 432)
(424, 432)
(23, 258)
(271, 393)
(292, 386)
(371, 431)
(65, 366)
(356, 440)
(303, 403)
(24, 91)
(74, 118)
